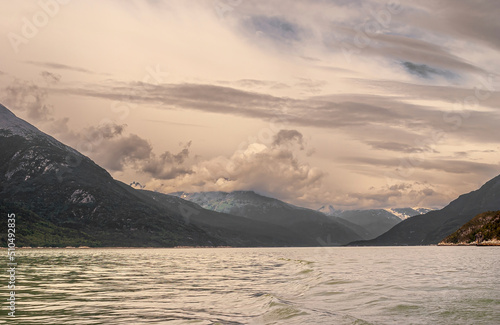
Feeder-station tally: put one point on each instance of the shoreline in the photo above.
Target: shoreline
(484, 243)
(120, 247)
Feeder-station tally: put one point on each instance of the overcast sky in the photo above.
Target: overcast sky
(357, 104)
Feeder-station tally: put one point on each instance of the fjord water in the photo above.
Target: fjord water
(373, 285)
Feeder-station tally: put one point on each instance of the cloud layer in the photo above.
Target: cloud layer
(352, 103)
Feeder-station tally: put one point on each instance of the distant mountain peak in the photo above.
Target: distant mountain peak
(255, 206)
(5, 110)
(329, 210)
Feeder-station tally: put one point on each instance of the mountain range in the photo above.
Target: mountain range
(62, 198)
(432, 227)
(256, 207)
(375, 221)
(66, 190)
(52, 185)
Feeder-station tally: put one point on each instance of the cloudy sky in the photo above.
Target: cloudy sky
(357, 104)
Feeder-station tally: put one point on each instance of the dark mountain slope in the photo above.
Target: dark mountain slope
(61, 194)
(376, 221)
(236, 230)
(31, 230)
(432, 227)
(308, 223)
(68, 190)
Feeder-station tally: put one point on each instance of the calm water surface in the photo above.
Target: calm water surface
(393, 285)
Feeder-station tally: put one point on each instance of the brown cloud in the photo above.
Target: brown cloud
(50, 78)
(474, 21)
(114, 155)
(58, 66)
(403, 194)
(27, 96)
(399, 147)
(167, 165)
(107, 143)
(426, 162)
(284, 137)
(275, 170)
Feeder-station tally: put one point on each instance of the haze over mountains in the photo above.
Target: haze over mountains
(271, 224)
(375, 221)
(253, 206)
(367, 223)
(401, 213)
(66, 198)
(42, 176)
(64, 189)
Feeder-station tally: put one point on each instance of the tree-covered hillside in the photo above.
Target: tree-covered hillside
(483, 228)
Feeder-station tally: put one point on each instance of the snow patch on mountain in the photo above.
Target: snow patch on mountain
(401, 213)
(11, 125)
(10, 122)
(405, 213)
(81, 197)
(30, 163)
(229, 202)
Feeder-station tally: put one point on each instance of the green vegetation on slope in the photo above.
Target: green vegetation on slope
(33, 231)
(485, 226)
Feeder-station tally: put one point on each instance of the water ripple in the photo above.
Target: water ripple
(411, 285)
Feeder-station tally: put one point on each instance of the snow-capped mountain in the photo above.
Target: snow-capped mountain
(405, 213)
(401, 213)
(16, 126)
(375, 221)
(434, 226)
(257, 207)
